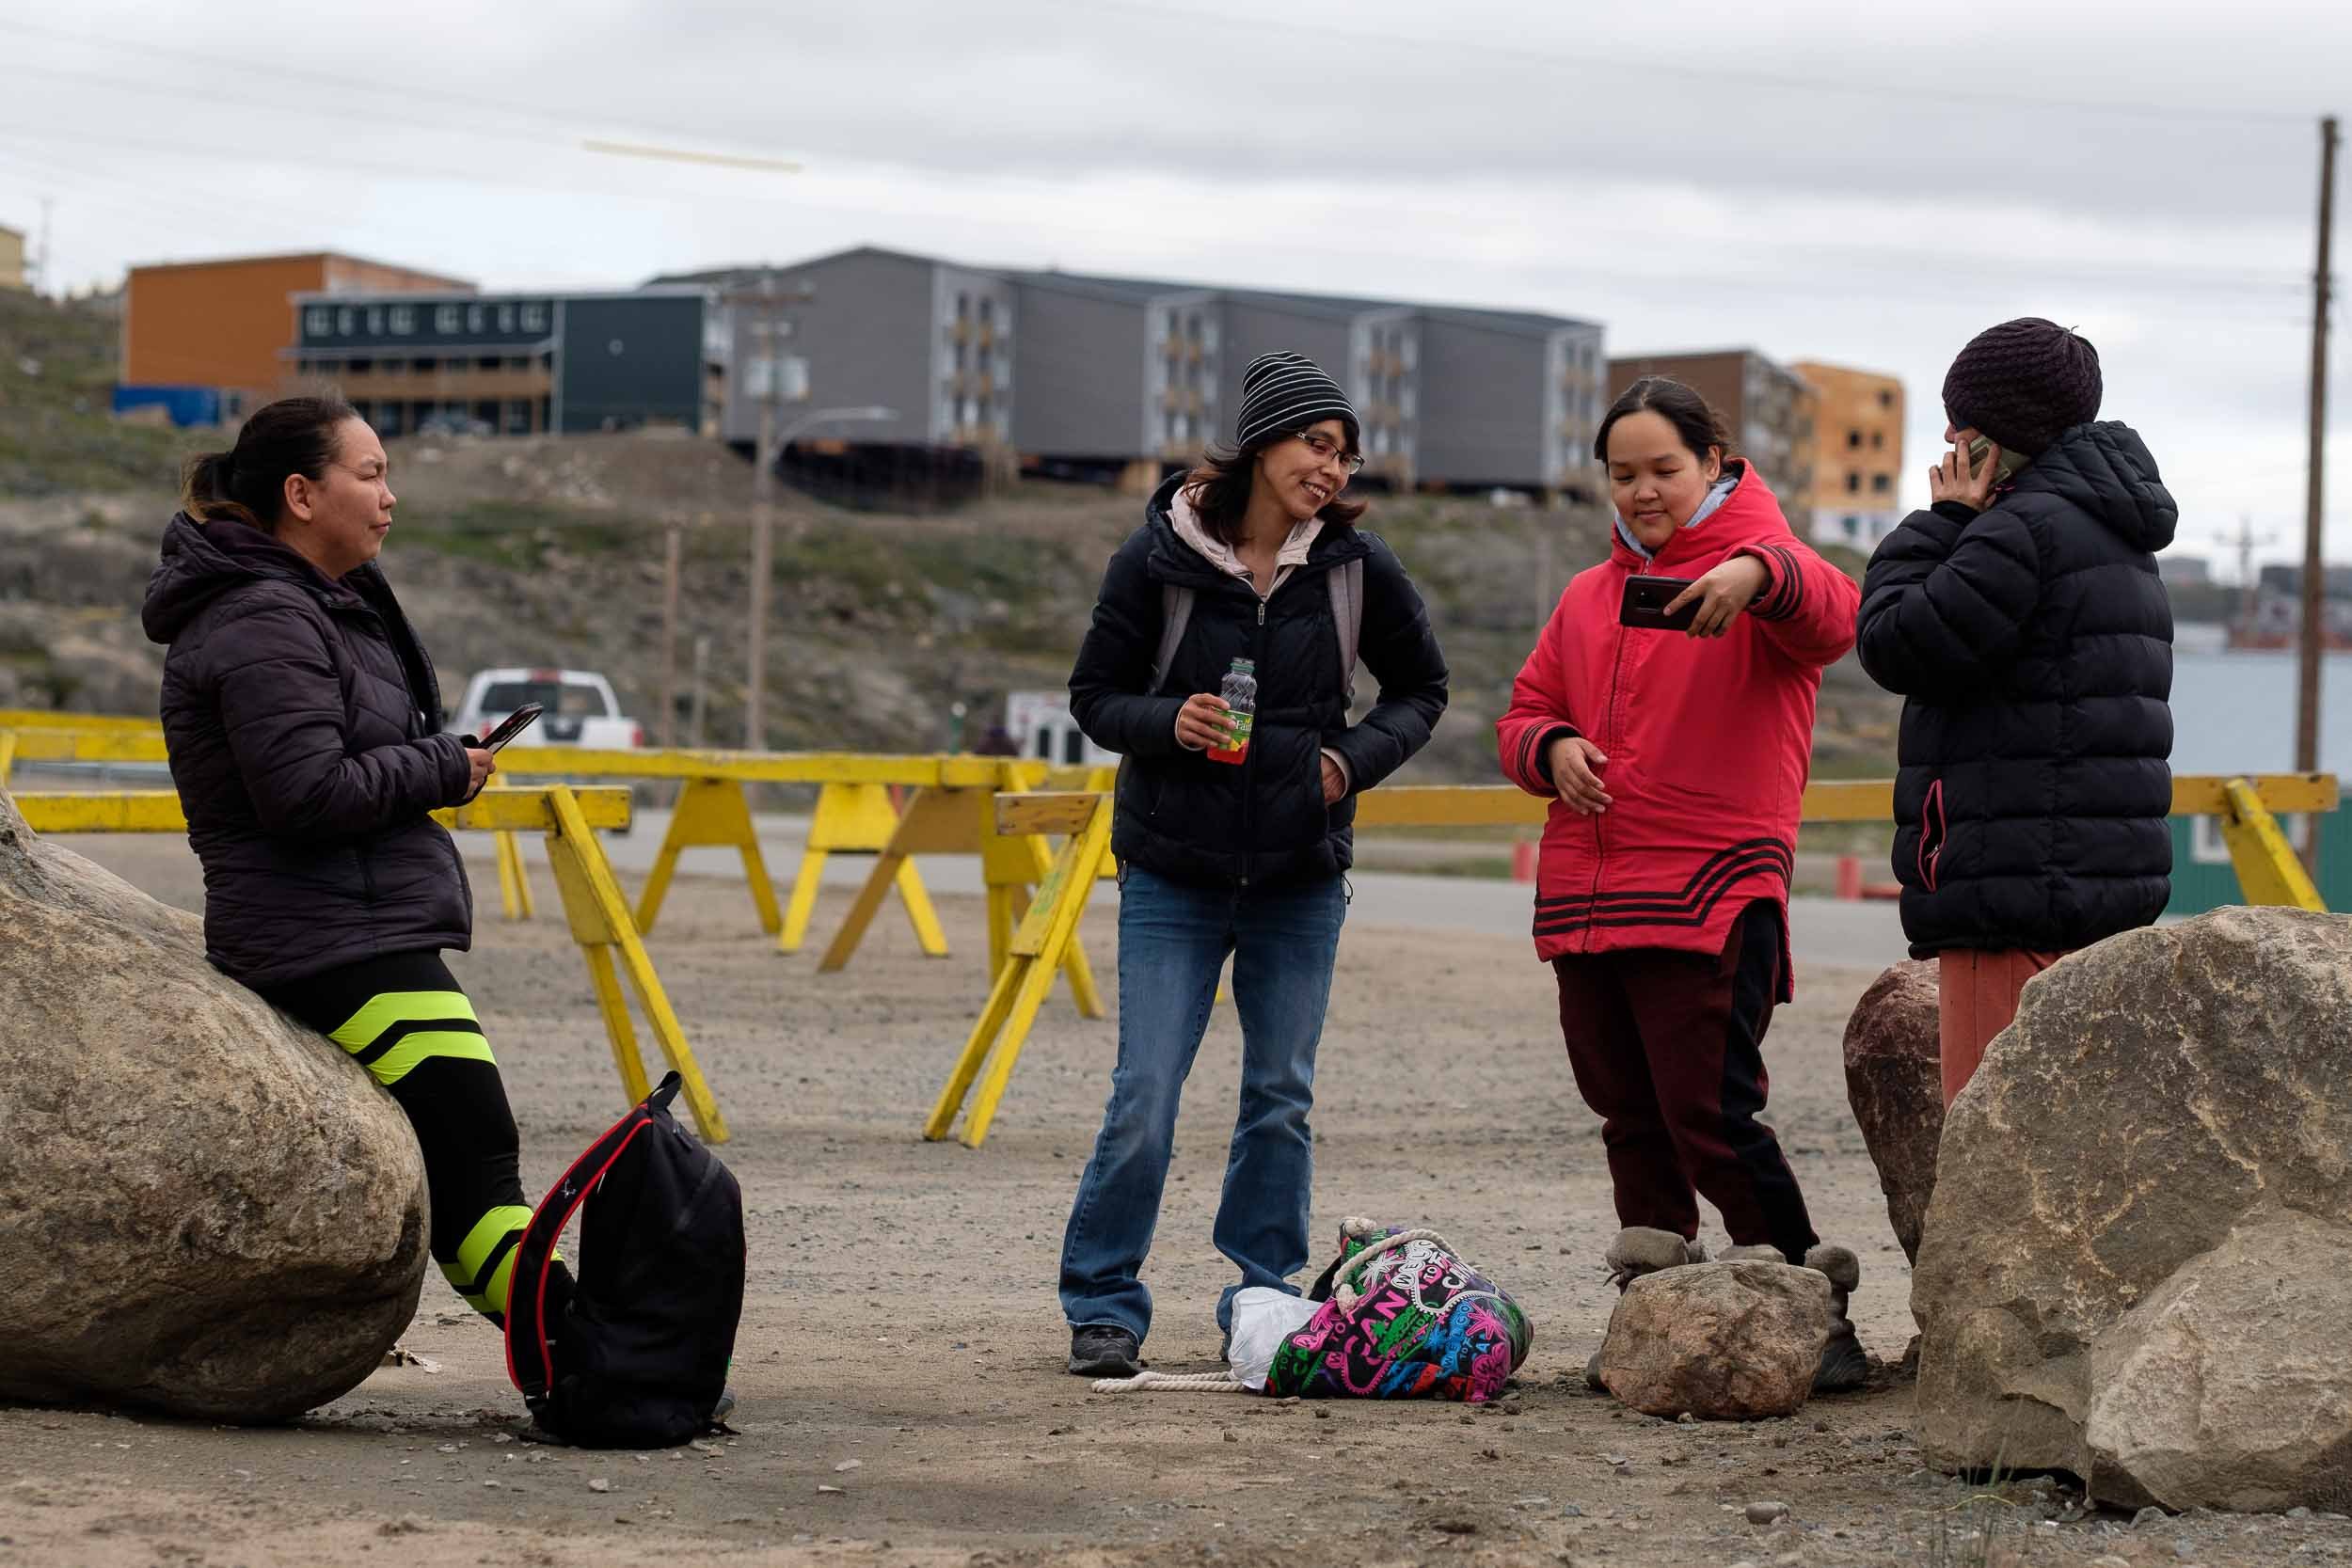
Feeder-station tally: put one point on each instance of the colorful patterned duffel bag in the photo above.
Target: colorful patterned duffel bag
(1401, 1315)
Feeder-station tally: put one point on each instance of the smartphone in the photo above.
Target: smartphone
(2005, 468)
(512, 726)
(1645, 601)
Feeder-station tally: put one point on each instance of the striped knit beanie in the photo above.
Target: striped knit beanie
(1283, 392)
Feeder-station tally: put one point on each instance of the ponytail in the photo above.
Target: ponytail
(247, 482)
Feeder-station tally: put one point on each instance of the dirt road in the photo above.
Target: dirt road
(899, 1365)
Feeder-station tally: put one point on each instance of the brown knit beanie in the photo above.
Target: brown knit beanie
(2024, 384)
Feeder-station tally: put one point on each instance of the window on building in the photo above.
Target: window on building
(988, 309)
(535, 318)
(1878, 441)
(346, 322)
(1887, 397)
(375, 321)
(1881, 483)
(963, 306)
(448, 318)
(1853, 484)
(403, 320)
(506, 318)
(1853, 527)
(318, 322)
(474, 318)
(1854, 438)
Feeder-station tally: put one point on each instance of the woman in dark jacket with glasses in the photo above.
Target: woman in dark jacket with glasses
(1253, 556)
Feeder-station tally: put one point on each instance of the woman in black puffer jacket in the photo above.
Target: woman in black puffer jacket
(2023, 619)
(304, 731)
(1251, 557)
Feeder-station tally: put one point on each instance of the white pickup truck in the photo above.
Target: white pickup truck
(580, 708)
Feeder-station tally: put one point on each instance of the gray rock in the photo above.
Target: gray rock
(1725, 1341)
(2157, 1093)
(2150, 1515)
(1767, 1514)
(2231, 1386)
(203, 1207)
(1894, 1081)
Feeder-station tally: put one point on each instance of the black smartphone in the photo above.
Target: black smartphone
(512, 726)
(1645, 601)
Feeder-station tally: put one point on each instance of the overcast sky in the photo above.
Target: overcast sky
(1868, 184)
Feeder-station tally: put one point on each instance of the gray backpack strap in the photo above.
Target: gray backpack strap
(1175, 610)
(1347, 614)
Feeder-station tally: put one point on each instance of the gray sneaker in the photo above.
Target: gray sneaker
(1103, 1350)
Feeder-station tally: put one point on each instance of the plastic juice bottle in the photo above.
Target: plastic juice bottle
(1240, 692)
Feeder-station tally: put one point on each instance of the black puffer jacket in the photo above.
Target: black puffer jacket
(2034, 642)
(303, 720)
(1189, 819)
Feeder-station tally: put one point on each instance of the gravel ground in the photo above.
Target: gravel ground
(900, 1364)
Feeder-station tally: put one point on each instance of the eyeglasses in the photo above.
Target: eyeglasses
(1326, 449)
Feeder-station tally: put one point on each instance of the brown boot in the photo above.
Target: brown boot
(1638, 1250)
(1843, 1363)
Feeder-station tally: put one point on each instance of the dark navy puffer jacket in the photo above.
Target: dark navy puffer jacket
(304, 725)
(2034, 642)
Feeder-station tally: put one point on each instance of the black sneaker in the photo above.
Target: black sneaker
(1102, 1349)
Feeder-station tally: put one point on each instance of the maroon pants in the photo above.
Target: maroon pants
(1668, 1048)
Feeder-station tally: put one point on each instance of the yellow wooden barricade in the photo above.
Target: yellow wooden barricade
(599, 917)
(2268, 873)
(962, 820)
(1037, 949)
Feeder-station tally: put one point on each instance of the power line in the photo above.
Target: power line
(1921, 99)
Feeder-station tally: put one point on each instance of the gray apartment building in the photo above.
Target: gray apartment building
(518, 364)
(930, 340)
(1104, 377)
(1511, 399)
(1450, 398)
(1117, 377)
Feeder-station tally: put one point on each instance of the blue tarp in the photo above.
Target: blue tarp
(187, 405)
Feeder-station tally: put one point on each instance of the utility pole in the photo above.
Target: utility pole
(2314, 568)
(672, 542)
(769, 326)
(697, 705)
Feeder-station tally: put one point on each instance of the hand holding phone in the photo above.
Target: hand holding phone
(1969, 477)
(511, 726)
(1644, 602)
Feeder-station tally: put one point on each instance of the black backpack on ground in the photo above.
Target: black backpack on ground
(638, 1356)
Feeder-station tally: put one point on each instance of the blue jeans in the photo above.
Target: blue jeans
(1173, 942)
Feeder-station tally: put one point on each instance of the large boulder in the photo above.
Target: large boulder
(2231, 1386)
(204, 1207)
(2170, 1107)
(1895, 1082)
(1723, 1341)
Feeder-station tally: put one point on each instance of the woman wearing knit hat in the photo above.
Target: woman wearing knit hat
(1235, 843)
(1675, 762)
(2023, 619)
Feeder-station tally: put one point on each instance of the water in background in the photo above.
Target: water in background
(2235, 713)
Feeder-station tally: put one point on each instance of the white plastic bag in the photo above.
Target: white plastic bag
(1263, 1318)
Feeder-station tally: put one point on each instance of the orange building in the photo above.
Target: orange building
(1858, 457)
(229, 325)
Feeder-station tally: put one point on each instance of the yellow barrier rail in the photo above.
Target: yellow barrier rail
(599, 917)
(853, 811)
(2268, 873)
(49, 719)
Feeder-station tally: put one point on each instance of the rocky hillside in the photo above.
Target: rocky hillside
(551, 552)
